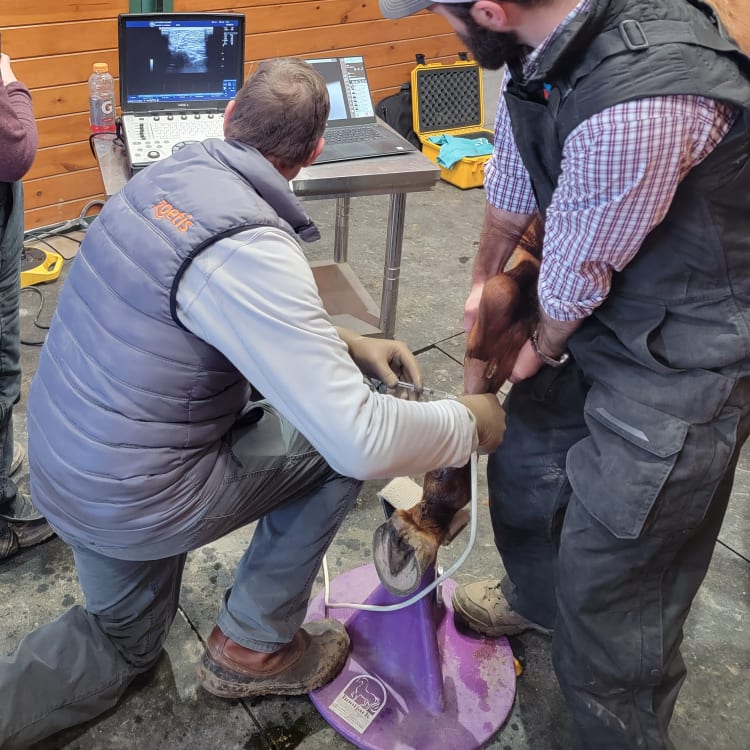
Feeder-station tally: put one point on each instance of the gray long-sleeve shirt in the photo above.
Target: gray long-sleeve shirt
(360, 433)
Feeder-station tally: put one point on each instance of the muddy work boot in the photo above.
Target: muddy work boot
(482, 606)
(20, 509)
(18, 536)
(312, 659)
(21, 526)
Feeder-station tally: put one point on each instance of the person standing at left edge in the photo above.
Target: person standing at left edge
(21, 525)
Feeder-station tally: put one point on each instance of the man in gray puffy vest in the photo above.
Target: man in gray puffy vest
(624, 124)
(147, 440)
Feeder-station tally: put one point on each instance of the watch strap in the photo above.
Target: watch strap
(551, 361)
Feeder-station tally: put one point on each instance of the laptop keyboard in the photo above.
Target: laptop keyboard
(353, 134)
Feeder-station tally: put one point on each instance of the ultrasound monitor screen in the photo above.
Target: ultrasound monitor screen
(180, 61)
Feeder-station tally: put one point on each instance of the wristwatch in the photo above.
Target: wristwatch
(551, 361)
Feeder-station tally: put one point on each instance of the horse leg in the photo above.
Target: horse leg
(406, 545)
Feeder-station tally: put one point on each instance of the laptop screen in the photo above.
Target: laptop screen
(348, 89)
(180, 61)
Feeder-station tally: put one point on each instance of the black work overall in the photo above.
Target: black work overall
(609, 491)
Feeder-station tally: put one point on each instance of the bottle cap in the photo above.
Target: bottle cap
(101, 68)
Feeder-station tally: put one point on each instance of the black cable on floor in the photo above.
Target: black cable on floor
(37, 324)
(82, 223)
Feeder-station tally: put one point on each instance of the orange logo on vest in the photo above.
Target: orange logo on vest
(180, 219)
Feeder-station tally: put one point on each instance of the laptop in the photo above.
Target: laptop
(178, 72)
(353, 131)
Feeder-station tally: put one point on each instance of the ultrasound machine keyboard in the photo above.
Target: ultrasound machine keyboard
(151, 138)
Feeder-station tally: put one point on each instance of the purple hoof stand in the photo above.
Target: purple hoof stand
(412, 680)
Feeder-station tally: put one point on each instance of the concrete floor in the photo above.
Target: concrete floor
(167, 709)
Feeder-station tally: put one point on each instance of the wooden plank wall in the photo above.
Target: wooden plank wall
(53, 46)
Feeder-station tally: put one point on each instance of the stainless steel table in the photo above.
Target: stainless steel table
(345, 298)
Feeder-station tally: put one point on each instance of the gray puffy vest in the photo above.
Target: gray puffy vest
(127, 407)
(674, 330)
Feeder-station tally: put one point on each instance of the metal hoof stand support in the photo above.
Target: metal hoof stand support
(412, 679)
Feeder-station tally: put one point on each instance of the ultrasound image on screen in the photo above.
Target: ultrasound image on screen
(187, 50)
(191, 61)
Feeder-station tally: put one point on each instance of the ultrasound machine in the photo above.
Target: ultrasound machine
(178, 72)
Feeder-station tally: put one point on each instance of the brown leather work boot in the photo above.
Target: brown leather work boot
(312, 659)
(21, 525)
(18, 536)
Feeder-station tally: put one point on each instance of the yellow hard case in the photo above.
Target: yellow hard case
(448, 98)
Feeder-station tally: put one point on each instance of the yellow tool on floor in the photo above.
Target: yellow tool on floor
(39, 265)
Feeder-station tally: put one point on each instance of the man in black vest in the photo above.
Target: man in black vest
(624, 124)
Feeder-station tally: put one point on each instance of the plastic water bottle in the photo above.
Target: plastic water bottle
(102, 100)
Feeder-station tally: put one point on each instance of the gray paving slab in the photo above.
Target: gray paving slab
(167, 709)
(735, 532)
(440, 238)
(712, 709)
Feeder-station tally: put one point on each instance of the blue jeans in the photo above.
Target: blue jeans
(11, 246)
(79, 665)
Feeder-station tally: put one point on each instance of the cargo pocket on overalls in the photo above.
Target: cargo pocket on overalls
(618, 471)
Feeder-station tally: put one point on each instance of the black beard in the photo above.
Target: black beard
(492, 49)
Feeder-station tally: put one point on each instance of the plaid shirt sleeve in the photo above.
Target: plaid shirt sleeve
(506, 182)
(620, 171)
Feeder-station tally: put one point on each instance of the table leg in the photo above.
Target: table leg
(392, 269)
(341, 236)
(113, 164)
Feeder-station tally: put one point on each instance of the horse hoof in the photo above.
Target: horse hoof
(402, 553)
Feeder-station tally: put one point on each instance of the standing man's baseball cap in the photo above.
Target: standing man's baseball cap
(401, 8)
